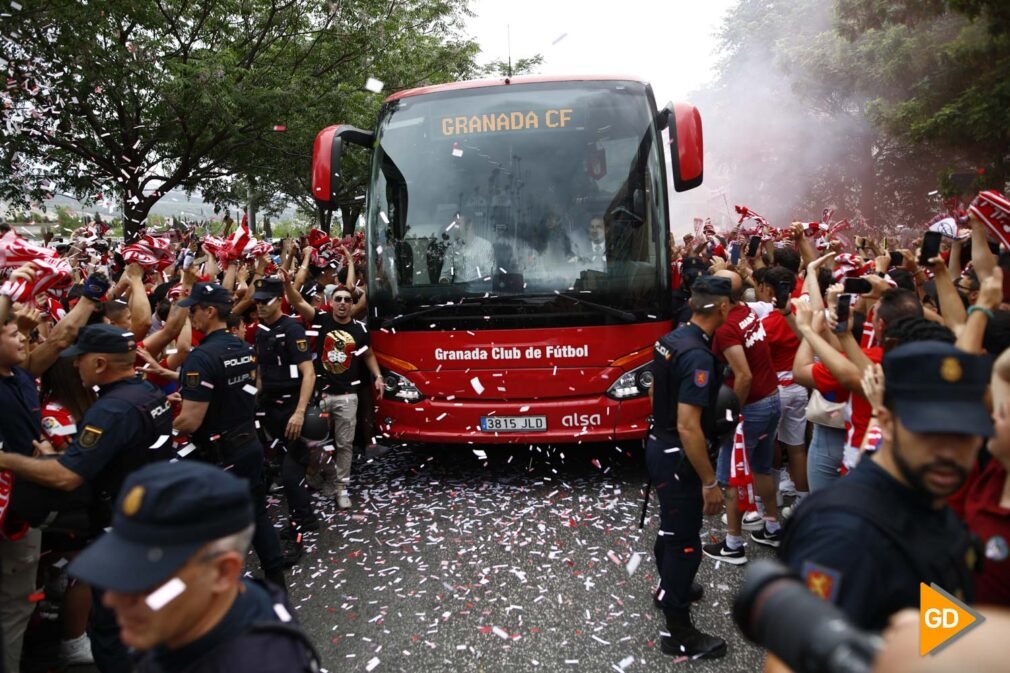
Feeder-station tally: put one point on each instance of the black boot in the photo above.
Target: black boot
(687, 641)
(697, 593)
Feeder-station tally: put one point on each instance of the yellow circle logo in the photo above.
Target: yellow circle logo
(950, 370)
(133, 500)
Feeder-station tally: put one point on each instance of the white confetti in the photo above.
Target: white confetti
(249, 389)
(477, 385)
(375, 86)
(633, 563)
(165, 594)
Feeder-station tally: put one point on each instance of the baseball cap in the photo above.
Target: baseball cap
(101, 338)
(934, 387)
(207, 293)
(165, 512)
(268, 288)
(714, 285)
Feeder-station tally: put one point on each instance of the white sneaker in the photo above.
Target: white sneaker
(786, 484)
(343, 501)
(751, 520)
(76, 651)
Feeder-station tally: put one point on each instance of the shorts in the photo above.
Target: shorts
(793, 423)
(760, 420)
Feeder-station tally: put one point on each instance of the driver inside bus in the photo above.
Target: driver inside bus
(470, 257)
(591, 247)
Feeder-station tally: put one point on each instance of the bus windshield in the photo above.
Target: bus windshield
(528, 202)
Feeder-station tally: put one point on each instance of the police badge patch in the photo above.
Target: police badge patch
(192, 380)
(701, 377)
(302, 345)
(90, 436)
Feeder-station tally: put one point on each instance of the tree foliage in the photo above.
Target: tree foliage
(127, 99)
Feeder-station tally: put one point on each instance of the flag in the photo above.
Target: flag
(739, 472)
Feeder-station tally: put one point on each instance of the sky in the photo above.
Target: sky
(671, 44)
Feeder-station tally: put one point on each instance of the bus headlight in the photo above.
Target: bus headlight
(635, 383)
(400, 388)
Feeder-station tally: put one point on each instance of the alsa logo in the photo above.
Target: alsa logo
(581, 420)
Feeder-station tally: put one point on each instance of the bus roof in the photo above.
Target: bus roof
(503, 81)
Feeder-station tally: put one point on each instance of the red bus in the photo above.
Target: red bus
(518, 266)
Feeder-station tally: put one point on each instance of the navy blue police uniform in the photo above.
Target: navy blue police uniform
(165, 515)
(866, 542)
(128, 426)
(280, 348)
(221, 371)
(685, 371)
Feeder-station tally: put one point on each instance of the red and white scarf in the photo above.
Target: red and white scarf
(739, 472)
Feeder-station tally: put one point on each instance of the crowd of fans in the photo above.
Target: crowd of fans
(810, 323)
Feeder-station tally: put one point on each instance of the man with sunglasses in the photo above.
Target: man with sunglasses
(287, 381)
(342, 347)
(218, 389)
(171, 570)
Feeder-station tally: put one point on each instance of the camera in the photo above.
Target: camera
(776, 611)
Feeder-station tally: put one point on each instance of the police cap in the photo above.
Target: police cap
(268, 288)
(934, 387)
(713, 285)
(166, 511)
(101, 338)
(207, 293)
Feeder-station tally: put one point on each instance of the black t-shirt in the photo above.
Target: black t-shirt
(689, 376)
(339, 352)
(280, 348)
(221, 371)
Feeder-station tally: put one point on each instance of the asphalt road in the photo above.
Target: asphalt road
(520, 561)
(493, 560)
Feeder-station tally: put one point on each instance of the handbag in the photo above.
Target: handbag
(823, 412)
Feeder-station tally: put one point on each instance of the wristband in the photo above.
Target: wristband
(983, 309)
(709, 487)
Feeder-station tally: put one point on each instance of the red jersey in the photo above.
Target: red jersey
(978, 505)
(783, 343)
(743, 328)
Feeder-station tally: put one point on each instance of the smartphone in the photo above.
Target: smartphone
(753, 245)
(783, 292)
(856, 286)
(842, 312)
(734, 252)
(930, 247)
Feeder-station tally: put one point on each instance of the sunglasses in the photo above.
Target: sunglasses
(341, 299)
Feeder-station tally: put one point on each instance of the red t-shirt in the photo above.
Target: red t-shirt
(977, 503)
(743, 328)
(861, 409)
(783, 343)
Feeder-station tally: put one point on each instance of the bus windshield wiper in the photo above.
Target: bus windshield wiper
(626, 316)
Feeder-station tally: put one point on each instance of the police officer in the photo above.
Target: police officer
(685, 392)
(287, 379)
(867, 541)
(218, 389)
(171, 567)
(129, 426)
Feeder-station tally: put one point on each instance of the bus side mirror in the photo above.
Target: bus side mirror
(686, 147)
(326, 151)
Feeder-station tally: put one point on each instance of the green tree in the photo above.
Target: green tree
(131, 98)
(942, 74)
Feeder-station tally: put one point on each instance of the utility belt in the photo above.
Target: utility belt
(223, 448)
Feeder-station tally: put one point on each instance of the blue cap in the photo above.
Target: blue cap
(207, 293)
(268, 288)
(166, 511)
(934, 387)
(101, 338)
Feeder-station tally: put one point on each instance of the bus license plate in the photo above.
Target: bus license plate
(513, 423)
